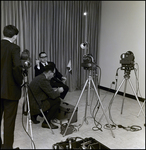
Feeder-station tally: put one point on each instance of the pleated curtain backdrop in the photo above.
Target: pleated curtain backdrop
(58, 28)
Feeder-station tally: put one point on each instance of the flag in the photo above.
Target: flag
(69, 67)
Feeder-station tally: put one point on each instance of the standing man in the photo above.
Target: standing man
(11, 80)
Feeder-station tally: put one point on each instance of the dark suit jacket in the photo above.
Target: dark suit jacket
(57, 76)
(10, 59)
(43, 93)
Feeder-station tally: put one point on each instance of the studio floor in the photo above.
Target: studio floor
(117, 138)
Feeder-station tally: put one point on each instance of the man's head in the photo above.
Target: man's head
(49, 70)
(43, 57)
(10, 32)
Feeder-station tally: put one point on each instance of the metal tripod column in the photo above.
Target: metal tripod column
(28, 117)
(124, 94)
(29, 121)
(87, 97)
(26, 100)
(86, 49)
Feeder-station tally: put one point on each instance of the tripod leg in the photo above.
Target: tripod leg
(88, 94)
(113, 97)
(124, 95)
(75, 107)
(29, 120)
(140, 109)
(136, 97)
(119, 88)
(25, 107)
(102, 107)
(46, 120)
(88, 90)
(41, 110)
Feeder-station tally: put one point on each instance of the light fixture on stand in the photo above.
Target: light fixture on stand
(89, 65)
(85, 46)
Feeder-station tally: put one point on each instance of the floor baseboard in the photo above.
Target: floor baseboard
(121, 93)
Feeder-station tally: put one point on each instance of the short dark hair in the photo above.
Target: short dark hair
(41, 53)
(10, 31)
(49, 67)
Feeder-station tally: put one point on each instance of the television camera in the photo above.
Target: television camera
(127, 61)
(88, 62)
(25, 61)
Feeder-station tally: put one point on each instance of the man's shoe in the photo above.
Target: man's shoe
(40, 115)
(5, 147)
(33, 119)
(53, 126)
(16, 148)
(55, 121)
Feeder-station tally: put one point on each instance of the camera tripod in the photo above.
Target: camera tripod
(88, 81)
(26, 108)
(127, 78)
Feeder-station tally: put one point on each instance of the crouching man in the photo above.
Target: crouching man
(48, 98)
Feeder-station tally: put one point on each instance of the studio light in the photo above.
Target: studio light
(85, 13)
(84, 45)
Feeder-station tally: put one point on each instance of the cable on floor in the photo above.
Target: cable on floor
(132, 128)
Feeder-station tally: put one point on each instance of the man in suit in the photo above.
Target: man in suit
(58, 80)
(10, 83)
(40, 90)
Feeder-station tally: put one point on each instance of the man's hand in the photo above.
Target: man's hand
(64, 79)
(37, 62)
(60, 89)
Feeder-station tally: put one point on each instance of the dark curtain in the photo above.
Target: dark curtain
(58, 28)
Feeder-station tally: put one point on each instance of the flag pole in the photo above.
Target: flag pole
(68, 67)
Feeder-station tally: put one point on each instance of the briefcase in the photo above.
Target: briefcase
(79, 143)
(65, 112)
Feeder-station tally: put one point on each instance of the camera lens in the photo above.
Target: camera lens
(27, 64)
(123, 55)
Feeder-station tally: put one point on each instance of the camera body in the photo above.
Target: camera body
(88, 62)
(25, 59)
(127, 61)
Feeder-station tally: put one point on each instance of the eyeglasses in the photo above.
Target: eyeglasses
(43, 56)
